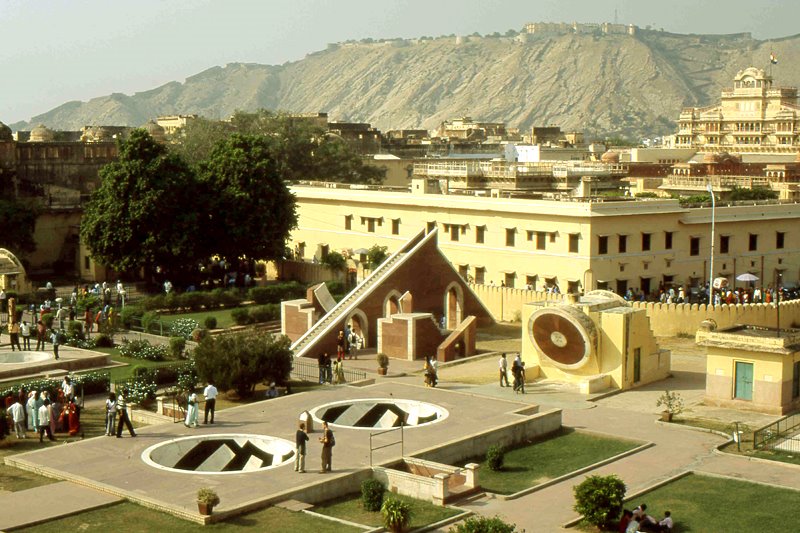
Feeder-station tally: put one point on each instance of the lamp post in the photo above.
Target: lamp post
(710, 190)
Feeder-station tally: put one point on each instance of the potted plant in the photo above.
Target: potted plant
(206, 500)
(396, 514)
(672, 403)
(383, 364)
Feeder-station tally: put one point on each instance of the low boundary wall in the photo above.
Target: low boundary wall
(666, 320)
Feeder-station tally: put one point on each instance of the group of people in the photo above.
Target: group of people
(301, 439)
(348, 343)
(517, 372)
(37, 411)
(638, 520)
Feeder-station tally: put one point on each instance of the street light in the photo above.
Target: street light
(710, 190)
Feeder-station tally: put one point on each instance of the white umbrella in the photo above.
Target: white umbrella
(360, 251)
(747, 276)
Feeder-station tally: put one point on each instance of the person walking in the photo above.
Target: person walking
(192, 412)
(33, 410)
(122, 411)
(44, 421)
(516, 370)
(111, 413)
(300, 439)
(210, 394)
(328, 442)
(503, 364)
(13, 332)
(41, 335)
(17, 412)
(25, 331)
(54, 338)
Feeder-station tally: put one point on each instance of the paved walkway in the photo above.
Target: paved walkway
(48, 502)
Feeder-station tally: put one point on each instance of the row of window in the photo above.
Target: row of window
(541, 238)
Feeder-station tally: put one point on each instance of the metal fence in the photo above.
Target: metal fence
(305, 369)
(781, 435)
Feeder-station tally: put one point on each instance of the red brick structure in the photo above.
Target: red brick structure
(417, 273)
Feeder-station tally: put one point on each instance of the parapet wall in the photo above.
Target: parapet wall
(665, 319)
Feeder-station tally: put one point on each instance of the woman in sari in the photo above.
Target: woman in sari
(192, 412)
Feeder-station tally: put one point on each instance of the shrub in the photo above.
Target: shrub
(396, 514)
(140, 390)
(176, 347)
(335, 261)
(494, 457)
(242, 360)
(183, 327)
(376, 256)
(483, 524)
(75, 330)
(153, 303)
(372, 495)
(187, 377)
(130, 313)
(47, 318)
(335, 287)
(210, 322)
(103, 341)
(241, 316)
(599, 499)
(265, 313)
(383, 360)
(193, 300)
(260, 295)
(231, 298)
(150, 321)
(142, 350)
(672, 402)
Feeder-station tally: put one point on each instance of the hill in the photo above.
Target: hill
(601, 84)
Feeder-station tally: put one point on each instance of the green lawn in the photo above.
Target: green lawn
(349, 508)
(701, 504)
(121, 517)
(125, 372)
(547, 459)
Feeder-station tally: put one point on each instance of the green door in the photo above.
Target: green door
(744, 381)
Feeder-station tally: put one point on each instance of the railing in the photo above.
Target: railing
(308, 370)
(779, 433)
(401, 442)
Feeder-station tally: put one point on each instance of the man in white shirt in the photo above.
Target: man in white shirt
(210, 394)
(666, 524)
(503, 365)
(17, 412)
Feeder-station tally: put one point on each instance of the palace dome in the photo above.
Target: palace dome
(610, 157)
(711, 157)
(42, 134)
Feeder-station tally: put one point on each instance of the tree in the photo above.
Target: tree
(17, 223)
(301, 149)
(240, 361)
(145, 213)
(335, 261)
(599, 499)
(252, 210)
(376, 255)
(756, 193)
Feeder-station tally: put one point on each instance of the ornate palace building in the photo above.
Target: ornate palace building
(754, 116)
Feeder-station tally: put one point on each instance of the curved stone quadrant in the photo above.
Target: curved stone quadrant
(379, 413)
(220, 454)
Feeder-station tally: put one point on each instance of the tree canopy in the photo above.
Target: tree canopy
(252, 210)
(17, 224)
(301, 149)
(146, 211)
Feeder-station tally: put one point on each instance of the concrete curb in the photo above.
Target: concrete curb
(369, 529)
(445, 522)
(339, 520)
(760, 460)
(673, 425)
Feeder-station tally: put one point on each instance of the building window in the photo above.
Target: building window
(724, 244)
(480, 234)
(753, 242)
(602, 245)
(454, 231)
(623, 244)
(541, 240)
(530, 282)
(431, 226)
(645, 242)
(510, 235)
(86, 263)
(553, 237)
(509, 279)
(348, 222)
(463, 271)
(574, 239)
(780, 237)
(694, 246)
(395, 226)
(480, 275)
(668, 240)
(371, 225)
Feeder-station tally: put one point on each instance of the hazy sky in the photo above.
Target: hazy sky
(54, 51)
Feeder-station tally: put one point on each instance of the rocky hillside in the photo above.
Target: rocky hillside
(601, 84)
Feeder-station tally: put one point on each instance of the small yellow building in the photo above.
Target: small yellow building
(597, 341)
(753, 368)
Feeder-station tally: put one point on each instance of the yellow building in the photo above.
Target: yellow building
(596, 341)
(752, 368)
(577, 245)
(753, 116)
